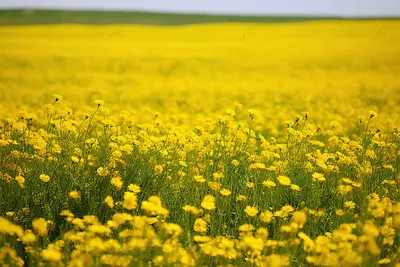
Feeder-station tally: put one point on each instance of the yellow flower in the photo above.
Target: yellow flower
(246, 228)
(238, 106)
(384, 261)
(284, 211)
(117, 182)
(10, 213)
(266, 216)
(20, 180)
(344, 189)
(295, 187)
(272, 168)
(252, 113)
(372, 114)
(74, 194)
(200, 225)
(259, 166)
(225, 192)
(202, 239)
(299, 218)
(57, 97)
(208, 202)
(40, 226)
(250, 185)
(130, 201)
(173, 229)
(48, 109)
(262, 233)
(276, 260)
(284, 180)
(134, 188)
(286, 229)
(183, 163)
(109, 201)
(99, 102)
(349, 204)
(235, 162)
(191, 209)
(75, 159)
(51, 254)
(347, 180)
(200, 179)
(214, 185)
(154, 206)
(217, 175)
(241, 198)
(45, 178)
(269, 183)
(121, 218)
(370, 153)
(158, 169)
(319, 177)
(8, 227)
(102, 171)
(339, 212)
(251, 211)
(66, 213)
(28, 237)
(370, 230)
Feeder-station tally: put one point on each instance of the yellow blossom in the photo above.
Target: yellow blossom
(200, 225)
(191, 209)
(51, 254)
(318, 177)
(74, 159)
(200, 179)
(246, 228)
(235, 162)
(299, 218)
(40, 226)
(134, 188)
(130, 201)
(251, 211)
(57, 97)
(269, 183)
(284, 180)
(74, 194)
(266, 216)
(241, 198)
(20, 180)
(225, 192)
(99, 102)
(117, 182)
(250, 185)
(109, 201)
(295, 187)
(45, 178)
(208, 202)
(29, 237)
(349, 204)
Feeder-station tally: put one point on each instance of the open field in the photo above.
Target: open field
(200, 145)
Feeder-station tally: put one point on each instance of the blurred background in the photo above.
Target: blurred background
(358, 8)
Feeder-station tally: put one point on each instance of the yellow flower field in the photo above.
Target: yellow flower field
(200, 145)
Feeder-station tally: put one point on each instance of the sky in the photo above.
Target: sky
(363, 8)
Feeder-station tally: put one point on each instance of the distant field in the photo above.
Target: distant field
(27, 17)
